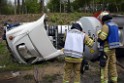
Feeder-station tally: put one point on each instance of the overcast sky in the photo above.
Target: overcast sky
(45, 1)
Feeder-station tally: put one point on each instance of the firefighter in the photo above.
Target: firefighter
(109, 38)
(73, 50)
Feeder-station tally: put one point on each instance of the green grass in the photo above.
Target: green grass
(6, 60)
(65, 18)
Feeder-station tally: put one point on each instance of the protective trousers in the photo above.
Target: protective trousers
(71, 72)
(110, 66)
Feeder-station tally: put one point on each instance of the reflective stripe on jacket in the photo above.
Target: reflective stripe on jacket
(113, 35)
(102, 34)
(77, 43)
(74, 43)
(106, 33)
(73, 60)
(88, 41)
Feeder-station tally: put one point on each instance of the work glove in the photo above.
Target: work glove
(103, 59)
(84, 66)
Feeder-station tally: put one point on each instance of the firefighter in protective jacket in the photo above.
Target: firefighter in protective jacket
(73, 50)
(109, 38)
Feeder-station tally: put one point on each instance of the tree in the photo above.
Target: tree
(15, 10)
(5, 7)
(77, 4)
(32, 6)
(54, 5)
(69, 6)
(41, 5)
(3, 4)
(18, 6)
(23, 8)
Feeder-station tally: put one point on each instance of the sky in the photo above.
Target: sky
(45, 1)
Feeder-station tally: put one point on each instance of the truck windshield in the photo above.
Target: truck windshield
(11, 26)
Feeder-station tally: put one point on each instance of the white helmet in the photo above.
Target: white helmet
(103, 14)
(80, 24)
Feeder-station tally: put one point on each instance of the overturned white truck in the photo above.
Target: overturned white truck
(34, 41)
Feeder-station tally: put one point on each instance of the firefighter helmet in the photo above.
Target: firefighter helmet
(78, 22)
(104, 13)
(77, 25)
(104, 16)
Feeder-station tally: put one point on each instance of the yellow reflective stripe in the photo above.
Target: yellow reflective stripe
(114, 79)
(89, 42)
(106, 49)
(98, 32)
(76, 60)
(102, 76)
(104, 81)
(103, 35)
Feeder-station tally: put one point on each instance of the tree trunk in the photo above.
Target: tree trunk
(15, 7)
(0, 7)
(69, 6)
(60, 6)
(18, 6)
(23, 6)
(116, 6)
(41, 6)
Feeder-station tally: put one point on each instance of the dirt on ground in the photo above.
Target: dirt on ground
(52, 72)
